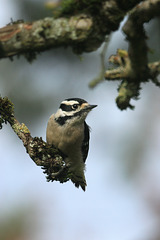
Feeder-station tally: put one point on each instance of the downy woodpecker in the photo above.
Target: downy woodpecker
(68, 131)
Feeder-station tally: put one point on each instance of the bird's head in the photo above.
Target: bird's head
(75, 109)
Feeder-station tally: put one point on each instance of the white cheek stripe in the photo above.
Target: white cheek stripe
(61, 113)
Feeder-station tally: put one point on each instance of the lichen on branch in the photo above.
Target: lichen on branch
(6, 111)
(130, 83)
(133, 67)
(84, 25)
(30, 38)
(48, 157)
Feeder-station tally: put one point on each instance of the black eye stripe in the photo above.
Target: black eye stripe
(66, 108)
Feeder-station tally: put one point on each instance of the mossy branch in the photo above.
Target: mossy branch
(28, 39)
(133, 67)
(130, 83)
(48, 157)
(84, 28)
(84, 25)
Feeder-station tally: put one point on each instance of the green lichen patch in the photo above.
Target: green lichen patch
(126, 92)
(50, 159)
(20, 128)
(6, 111)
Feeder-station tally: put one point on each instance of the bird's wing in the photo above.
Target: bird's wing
(85, 143)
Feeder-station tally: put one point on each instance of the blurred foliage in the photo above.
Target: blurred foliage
(15, 225)
(70, 7)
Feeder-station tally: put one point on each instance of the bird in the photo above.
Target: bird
(68, 131)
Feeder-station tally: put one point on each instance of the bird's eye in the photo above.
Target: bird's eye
(75, 106)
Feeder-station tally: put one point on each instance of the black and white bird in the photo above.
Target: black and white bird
(68, 131)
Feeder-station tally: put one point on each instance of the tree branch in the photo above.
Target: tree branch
(129, 87)
(44, 155)
(84, 32)
(136, 36)
(29, 38)
(133, 66)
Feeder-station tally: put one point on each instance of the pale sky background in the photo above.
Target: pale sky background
(123, 168)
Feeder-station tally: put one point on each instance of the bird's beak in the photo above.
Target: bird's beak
(89, 107)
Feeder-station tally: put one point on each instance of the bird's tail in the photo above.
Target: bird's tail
(79, 181)
(76, 170)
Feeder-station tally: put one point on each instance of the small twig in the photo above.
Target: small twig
(129, 87)
(123, 70)
(100, 76)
